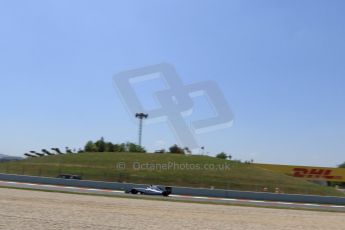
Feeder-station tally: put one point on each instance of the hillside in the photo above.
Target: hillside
(165, 169)
(4, 158)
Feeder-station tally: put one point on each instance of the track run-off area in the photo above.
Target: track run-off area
(210, 200)
(39, 210)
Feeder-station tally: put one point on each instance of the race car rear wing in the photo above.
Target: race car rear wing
(168, 190)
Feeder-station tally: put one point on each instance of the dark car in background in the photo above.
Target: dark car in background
(69, 177)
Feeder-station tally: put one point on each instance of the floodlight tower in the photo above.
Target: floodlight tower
(141, 117)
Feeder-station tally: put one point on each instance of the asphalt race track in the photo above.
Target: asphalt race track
(258, 203)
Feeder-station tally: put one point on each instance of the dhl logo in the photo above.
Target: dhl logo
(315, 173)
(308, 172)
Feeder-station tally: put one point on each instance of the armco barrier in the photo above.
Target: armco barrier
(260, 196)
(182, 191)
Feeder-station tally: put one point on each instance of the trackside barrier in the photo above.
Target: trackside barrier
(218, 193)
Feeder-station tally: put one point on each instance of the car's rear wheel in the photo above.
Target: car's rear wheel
(133, 191)
(166, 194)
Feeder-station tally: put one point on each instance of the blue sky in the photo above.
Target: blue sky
(280, 65)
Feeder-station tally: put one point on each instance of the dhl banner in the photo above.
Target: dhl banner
(308, 172)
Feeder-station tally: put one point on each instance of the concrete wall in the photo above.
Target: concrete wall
(181, 191)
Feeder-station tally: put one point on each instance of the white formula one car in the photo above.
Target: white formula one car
(151, 190)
